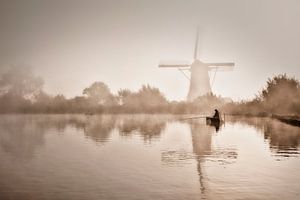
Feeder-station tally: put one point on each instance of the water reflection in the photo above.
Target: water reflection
(99, 128)
(148, 128)
(33, 155)
(202, 150)
(21, 136)
(201, 141)
(216, 124)
(283, 139)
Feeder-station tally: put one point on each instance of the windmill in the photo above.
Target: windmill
(200, 83)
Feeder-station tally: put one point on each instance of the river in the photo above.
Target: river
(80, 157)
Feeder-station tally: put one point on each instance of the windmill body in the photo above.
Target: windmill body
(199, 73)
(199, 81)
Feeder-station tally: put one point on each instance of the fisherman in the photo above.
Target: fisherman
(217, 114)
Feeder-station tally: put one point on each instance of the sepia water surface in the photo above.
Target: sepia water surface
(146, 157)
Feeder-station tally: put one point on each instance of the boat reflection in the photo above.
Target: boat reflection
(215, 124)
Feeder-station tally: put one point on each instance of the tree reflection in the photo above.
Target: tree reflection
(96, 127)
(99, 128)
(284, 139)
(20, 136)
(148, 128)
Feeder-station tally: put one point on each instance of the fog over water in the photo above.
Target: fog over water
(74, 43)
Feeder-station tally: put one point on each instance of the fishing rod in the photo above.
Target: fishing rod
(196, 117)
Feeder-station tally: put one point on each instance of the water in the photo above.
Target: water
(146, 157)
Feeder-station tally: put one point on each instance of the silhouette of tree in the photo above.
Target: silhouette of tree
(281, 95)
(123, 95)
(279, 84)
(99, 93)
(147, 99)
(151, 96)
(21, 82)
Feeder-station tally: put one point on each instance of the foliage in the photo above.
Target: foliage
(99, 93)
(21, 92)
(280, 96)
(20, 82)
(147, 99)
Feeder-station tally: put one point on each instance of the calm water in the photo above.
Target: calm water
(146, 157)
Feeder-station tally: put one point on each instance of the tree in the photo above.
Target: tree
(281, 95)
(278, 85)
(99, 93)
(151, 96)
(123, 96)
(21, 82)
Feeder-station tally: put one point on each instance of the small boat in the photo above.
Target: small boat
(212, 120)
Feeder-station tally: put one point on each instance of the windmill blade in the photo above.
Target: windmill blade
(196, 44)
(221, 66)
(174, 64)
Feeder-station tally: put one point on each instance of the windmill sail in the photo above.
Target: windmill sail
(196, 45)
(174, 64)
(199, 77)
(221, 66)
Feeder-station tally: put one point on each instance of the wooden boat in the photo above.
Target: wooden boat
(212, 120)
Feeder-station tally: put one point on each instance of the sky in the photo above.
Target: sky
(73, 43)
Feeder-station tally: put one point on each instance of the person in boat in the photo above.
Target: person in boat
(216, 115)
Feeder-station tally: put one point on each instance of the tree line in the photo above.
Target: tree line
(21, 91)
(281, 95)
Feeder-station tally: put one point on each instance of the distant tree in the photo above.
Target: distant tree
(21, 82)
(123, 95)
(78, 104)
(281, 95)
(280, 86)
(151, 96)
(99, 93)
(145, 100)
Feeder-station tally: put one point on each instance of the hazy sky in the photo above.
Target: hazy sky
(74, 43)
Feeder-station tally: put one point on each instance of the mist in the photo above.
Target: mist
(72, 44)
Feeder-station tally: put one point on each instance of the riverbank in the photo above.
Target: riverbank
(293, 120)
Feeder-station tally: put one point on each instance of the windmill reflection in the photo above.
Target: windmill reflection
(201, 141)
(202, 150)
